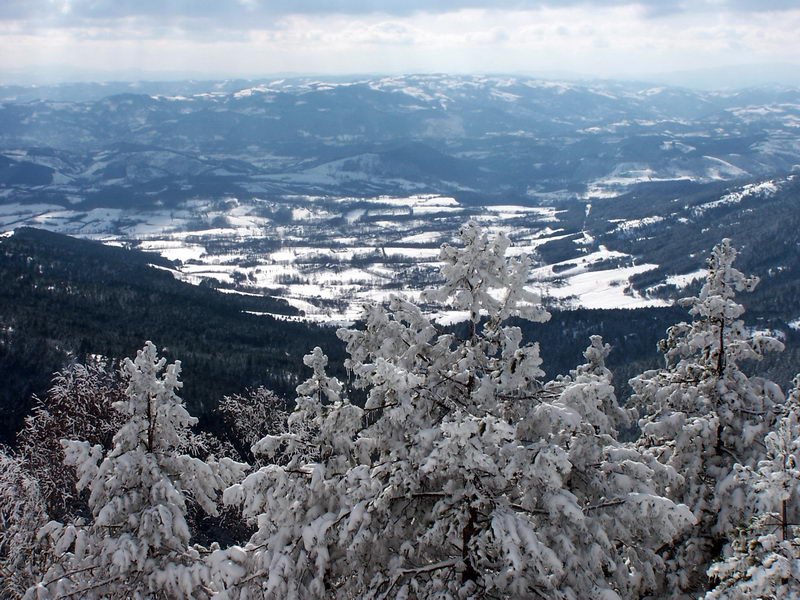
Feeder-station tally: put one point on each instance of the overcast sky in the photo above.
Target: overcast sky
(118, 39)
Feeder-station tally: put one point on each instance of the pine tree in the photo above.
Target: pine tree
(136, 543)
(620, 481)
(464, 476)
(703, 414)
(765, 558)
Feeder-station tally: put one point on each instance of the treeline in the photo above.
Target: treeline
(461, 470)
(64, 299)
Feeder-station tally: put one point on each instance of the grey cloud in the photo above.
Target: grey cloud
(763, 6)
(263, 13)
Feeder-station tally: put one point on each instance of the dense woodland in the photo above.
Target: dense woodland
(64, 299)
(445, 464)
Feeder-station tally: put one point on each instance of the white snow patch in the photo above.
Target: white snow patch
(628, 227)
(604, 289)
(762, 190)
(174, 249)
(722, 169)
(625, 175)
(513, 211)
(682, 281)
(429, 237)
(577, 265)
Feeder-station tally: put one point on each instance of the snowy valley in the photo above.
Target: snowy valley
(332, 193)
(406, 335)
(329, 256)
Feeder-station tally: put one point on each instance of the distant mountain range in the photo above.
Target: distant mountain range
(330, 193)
(483, 138)
(248, 181)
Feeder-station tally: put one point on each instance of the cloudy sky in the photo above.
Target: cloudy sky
(117, 39)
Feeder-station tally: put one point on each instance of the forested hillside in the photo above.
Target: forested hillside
(63, 299)
(447, 465)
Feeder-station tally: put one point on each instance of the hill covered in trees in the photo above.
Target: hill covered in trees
(462, 471)
(64, 299)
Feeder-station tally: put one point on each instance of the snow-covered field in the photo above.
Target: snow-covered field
(761, 190)
(329, 256)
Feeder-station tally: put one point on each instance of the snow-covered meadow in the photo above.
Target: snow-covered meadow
(329, 256)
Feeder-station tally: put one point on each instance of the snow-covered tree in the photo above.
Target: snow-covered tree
(78, 405)
(22, 513)
(250, 416)
(35, 484)
(604, 473)
(463, 476)
(765, 558)
(703, 414)
(137, 541)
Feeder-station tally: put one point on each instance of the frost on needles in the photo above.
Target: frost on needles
(703, 416)
(465, 473)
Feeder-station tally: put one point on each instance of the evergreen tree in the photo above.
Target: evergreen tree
(703, 414)
(765, 561)
(136, 543)
(463, 476)
(614, 477)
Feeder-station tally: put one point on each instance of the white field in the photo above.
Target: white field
(682, 281)
(333, 255)
(603, 289)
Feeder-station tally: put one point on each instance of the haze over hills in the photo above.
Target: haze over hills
(499, 138)
(328, 192)
(454, 299)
